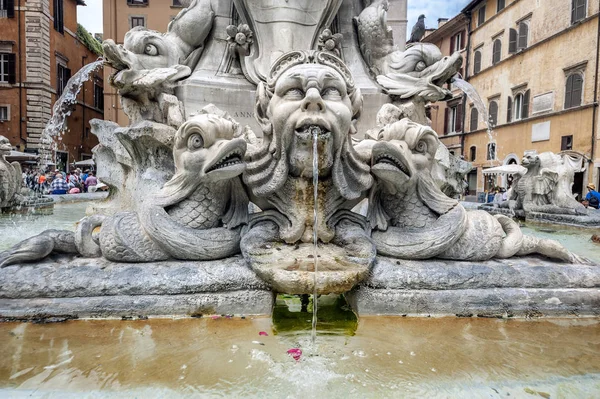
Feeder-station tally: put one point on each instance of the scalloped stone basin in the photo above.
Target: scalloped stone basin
(290, 269)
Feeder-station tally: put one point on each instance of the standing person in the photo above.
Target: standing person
(84, 177)
(41, 182)
(91, 181)
(59, 185)
(593, 197)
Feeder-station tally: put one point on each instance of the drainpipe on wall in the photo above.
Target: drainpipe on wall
(595, 109)
(466, 77)
(19, 54)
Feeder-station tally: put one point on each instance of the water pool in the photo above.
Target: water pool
(229, 357)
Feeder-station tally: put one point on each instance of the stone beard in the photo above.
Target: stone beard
(307, 92)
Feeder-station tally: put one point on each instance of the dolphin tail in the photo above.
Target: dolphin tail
(38, 247)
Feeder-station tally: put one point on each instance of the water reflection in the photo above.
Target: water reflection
(226, 357)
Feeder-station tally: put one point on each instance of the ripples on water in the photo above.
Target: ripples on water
(576, 239)
(226, 357)
(17, 227)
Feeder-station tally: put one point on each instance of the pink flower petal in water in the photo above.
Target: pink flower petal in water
(263, 333)
(296, 353)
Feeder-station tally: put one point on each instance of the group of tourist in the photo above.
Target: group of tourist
(592, 199)
(45, 182)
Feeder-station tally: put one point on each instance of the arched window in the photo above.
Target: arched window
(474, 119)
(493, 111)
(523, 35)
(573, 90)
(491, 151)
(473, 153)
(521, 105)
(477, 62)
(497, 51)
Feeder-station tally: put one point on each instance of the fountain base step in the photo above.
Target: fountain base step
(72, 287)
(518, 287)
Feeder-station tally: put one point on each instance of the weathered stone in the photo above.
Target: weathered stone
(519, 287)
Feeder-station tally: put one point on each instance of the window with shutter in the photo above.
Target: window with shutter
(446, 119)
(473, 153)
(474, 119)
(566, 143)
(477, 62)
(573, 90)
(500, 5)
(459, 117)
(491, 151)
(12, 68)
(7, 67)
(493, 111)
(63, 74)
(59, 16)
(578, 10)
(512, 41)
(497, 51)
(481, 16)
(509, 110)
(523, 35)
(525, 110)
(7, 8)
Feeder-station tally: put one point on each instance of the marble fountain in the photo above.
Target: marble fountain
(284, 150)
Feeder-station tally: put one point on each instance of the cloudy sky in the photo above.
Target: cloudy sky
(91, 15)
(433, 9)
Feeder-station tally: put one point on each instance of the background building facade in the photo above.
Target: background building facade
(534, 64)
(41, 46)
(447, 117)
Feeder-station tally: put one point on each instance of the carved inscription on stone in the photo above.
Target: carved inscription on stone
(543, 102)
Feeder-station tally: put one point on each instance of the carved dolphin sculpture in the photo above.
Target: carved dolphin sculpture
(196, 216)
(145, 49)
(10, 175)
(413, 219)
(149, 64)
(420, 70)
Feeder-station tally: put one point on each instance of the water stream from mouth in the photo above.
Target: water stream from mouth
(315, 133)
(470, 91)
(63, 107)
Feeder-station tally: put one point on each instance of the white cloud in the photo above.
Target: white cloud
(432, 9)
(90, 16)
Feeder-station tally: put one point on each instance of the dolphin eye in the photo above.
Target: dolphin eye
(195, 141)
(421, 146)
(150, 49)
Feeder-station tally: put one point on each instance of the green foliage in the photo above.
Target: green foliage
(88, 40)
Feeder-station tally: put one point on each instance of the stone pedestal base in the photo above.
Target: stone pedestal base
(518, 287)
(68, 287)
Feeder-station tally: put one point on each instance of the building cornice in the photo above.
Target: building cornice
(459, 21)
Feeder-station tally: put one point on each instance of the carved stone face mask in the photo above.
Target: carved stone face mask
(307, 99)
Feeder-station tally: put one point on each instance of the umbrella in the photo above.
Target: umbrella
(512, 169)
(86, 162)
(20, 156)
